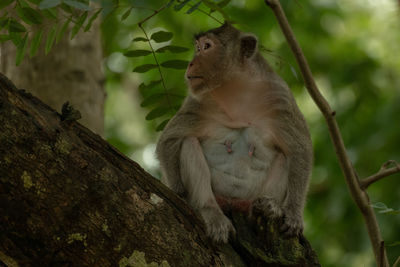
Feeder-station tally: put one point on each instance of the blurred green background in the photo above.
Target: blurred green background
(353, 48)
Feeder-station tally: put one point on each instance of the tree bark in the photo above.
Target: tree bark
(70, 72)
(68, 198)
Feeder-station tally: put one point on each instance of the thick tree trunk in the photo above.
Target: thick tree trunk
(67, 198)
(72, 72)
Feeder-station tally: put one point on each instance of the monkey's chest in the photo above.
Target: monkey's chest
(238, 160)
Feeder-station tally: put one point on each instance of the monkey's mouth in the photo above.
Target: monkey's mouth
(192, 77)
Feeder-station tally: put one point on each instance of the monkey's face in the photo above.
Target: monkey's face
(205, 71)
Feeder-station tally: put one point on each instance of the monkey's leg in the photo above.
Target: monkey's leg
(298, 173)
(274, 189)
(196, 178)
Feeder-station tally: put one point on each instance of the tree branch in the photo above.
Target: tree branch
(382, 173)
(359, 195)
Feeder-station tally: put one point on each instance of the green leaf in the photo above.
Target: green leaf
(181, 5)
(175, 64)
(3, 22)
(162, 125)
(146, 90)
(4, 3)
(161, 36)
(36, 2)
(152, 99)
(67, 8)
(145, 68)
(15, 37)
(37, 38)
(193, 8)
(29, 15)
(4, 38)
(49, 4)
(137, 53)
(223, 3)
(78, 24)
(15, 26)
(60, 34)
(21, 50)
(77, 5)
(126, 14)
(170, 3)
(156, 113)
(140, 39)
(92, 18)
(172, 49)
(50, 39)
(50, 13)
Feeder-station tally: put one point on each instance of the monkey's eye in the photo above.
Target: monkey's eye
(206, 46)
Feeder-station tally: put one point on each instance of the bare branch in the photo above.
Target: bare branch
(382, 173)
(357, 193)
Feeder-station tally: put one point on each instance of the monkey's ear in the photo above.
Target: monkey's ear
(248, 46)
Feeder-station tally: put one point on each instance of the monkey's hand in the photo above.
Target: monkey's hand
(218, 226)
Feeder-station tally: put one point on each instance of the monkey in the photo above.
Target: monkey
(239, 140)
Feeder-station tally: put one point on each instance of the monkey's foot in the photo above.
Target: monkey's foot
(251, 150)
(268, 207)
(218, 226)
(228, 145)
(292, 226)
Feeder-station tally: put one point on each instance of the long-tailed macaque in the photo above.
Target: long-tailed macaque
(239, 140)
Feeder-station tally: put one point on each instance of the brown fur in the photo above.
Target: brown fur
(233, 87)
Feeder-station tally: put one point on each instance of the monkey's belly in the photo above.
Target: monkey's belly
(238, 172)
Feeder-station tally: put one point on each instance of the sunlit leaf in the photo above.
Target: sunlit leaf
(137, 53)
(144, 68)
(156, 113)
(77, 5)
(175, 64)
(193, 8)
(394, 244)
(21, 50)
(92, 18)
(172, 49)
(51, 36)
(162, 125)
(49, 3)
(37, 38)
(161, 36)
(78, 24)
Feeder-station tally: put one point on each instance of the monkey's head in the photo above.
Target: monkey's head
(220, 54)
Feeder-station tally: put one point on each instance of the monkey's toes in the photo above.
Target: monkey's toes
(220, 230)
(268, 207)
(291, 227)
